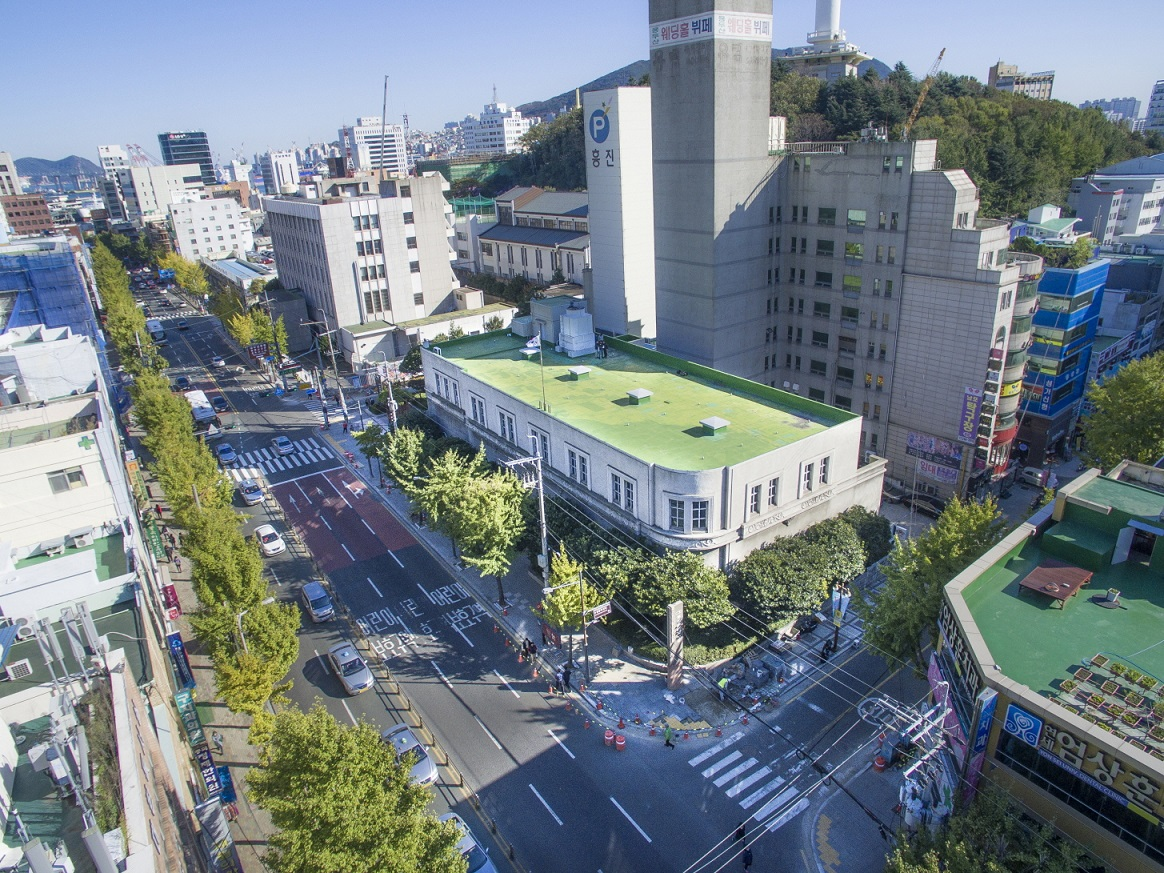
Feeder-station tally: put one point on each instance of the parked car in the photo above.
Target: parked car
(1032, 476)
(316, 603)
(469, 848)
(250, 492)
(349, 668)
(226, 454)
(283, 445)
(217, 362)
(404, 742)
(269, 540)
(925, 504)
(891, 493)
(219, 403)
(182, 383)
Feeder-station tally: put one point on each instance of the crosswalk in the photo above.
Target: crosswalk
(264, 462)
(755, 786)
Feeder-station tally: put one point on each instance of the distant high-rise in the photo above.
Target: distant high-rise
(1155, 118)
(9, 178)
(188, 147)
(280, 172)
(498, 130)
(1119, 109)
(369, 144)
(1006, 77)
(113, 158)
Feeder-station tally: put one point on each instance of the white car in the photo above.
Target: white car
(218, 362)
(269, 540)
(350, 668)
(404, 742)
(283, 445)
(469, 848)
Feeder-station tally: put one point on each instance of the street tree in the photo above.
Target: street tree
(563, 606)
(225, 566)
(411, 362)
(903, 619)
(874, 531)
(403, 457)
(652, 582)
(444, 489)
(490, 522)
(1128, 420)
(494, 322)
(241, 327)
(189, 275)
(341, 801)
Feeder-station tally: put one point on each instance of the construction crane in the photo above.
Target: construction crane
(139, 157)
(921, 97)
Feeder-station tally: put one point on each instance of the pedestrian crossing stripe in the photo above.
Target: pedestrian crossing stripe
(719, 765)
(716, 749)
(753, 798)
(727, 768)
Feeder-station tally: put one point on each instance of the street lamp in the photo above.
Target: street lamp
(585, 624)
(238, 619)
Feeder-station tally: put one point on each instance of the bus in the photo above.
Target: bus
(157, 332)
(206, 421)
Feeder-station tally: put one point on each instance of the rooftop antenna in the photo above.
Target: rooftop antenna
(494, 93)
(383, 125)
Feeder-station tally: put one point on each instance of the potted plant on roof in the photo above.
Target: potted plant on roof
(1083, 674)
(1133, 676)
(1067, 685)
(1110, 687)
(1132, 719)
(1115, 709)
(1148, 682)
(1095, 700)
(1158, 709)
(1118, 669)
(1156, 732)
(1131, 698)
(1099, 661)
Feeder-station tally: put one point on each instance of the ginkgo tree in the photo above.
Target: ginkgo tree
(568, 597)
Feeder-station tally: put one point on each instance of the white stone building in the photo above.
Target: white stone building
(497, 130)
(211, 229)
(147, 192)
(280, 171)
(1120, 202)
(538, 232)
(370, 145)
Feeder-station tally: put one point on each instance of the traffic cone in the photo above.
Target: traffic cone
(505, 610)
(535, 672)
(598, 704)
(621, 723)
(719, 732)
(586, 724)
(520, 658)
(507, 643)
(496, 629)
(745, 719)
(637, 719)
(686, 735)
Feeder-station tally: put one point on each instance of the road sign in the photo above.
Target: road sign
(257, 350)
(601, 610)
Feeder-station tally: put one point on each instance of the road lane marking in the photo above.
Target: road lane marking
(749, 781)
(301, 491)
(445, 679)
(482, 724)
(510, 687)
(752, 798)
(296, 479)
(374, 588)
(325, 524)
(550, 731)
(465, 638)
(546, 805)
(719, 765)
(349, 554)
(631, 820)
(801, 806)
(394, 558)
(369, 527)
(818, 710)
(337, 491)
(348, 711)
(716, 749)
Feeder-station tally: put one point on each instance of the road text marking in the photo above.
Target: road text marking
(631, 820)
(546, 805)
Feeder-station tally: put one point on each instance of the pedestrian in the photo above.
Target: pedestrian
(216, 738)
(345, 426)
(525, 644)
(566, 679)
(545, 639)
(558, 680)
(533, 650)
(667, 734)
(158, 510)
(740, 833)
(177, 563)
(747, 858)
(170, 554)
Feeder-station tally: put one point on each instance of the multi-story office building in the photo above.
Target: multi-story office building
(1126, 109)
(537, 234)
(280, 172)
(1006, 77)
(829, 55)
(1060, 356)
(367, 255)
(28, 214)
(497, 130)
(1154, 120)
(9, 177)
(211, 229)
(370, 145)
(113, 158)
(620, 286)
(188, 147)
(1119, 203)
(1059, 707)
(149, 191)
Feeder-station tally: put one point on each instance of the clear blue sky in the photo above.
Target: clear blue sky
(261, 74)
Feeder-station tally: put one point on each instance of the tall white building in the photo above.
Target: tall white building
(210, 229)
(621, 284)
(147, 192)
(371, 145)
(497, 130)
(1120, 202)
(1007, 77)
(280, 172)
(367, 255)
(112, 158)
(1155, 117)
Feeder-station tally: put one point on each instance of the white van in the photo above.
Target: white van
(1035, 476)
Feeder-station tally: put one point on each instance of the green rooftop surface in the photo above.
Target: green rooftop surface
(109, 552)
(665, 430)
(1037, 643)
(1124, 496)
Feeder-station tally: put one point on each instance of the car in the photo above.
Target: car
(183, 324)
(283, 445)
(926, 505)
(404, 742)
(891, 493)
(269, 540)
(218, 362)
(1032, 476)
(316, 603)
(182, 383)
(219, 403)
(349, 668)
(251, 492)
(470, 849)
(146, 311)
(226, 454)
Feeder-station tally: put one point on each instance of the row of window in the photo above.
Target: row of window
(555, 224)
(555, 257)
(854, 251)
(851, 285)
(855, 219)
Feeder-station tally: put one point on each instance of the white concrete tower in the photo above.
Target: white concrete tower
(828, 22)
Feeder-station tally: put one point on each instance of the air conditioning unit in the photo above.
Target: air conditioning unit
(19, 670)
(24, 629)
(54, 547)
(795, 387)
(787, 384)
(81, 537)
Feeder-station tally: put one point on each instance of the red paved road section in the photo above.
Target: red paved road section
(354, 519)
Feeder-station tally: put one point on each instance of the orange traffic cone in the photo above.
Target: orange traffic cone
(621, 723)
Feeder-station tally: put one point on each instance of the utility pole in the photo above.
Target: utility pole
(535, 460)
(275, 334)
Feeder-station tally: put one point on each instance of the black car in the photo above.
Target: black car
(219, 403)
(183, 324)
(926, 505)
(182, 383)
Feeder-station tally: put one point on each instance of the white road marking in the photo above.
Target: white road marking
(818, 710)
(510, 687)
(294, 479)
(397, 560)
(301, 491)
(775, 803)
(785, 817)
(482, 724)
(755, 796)
(348, 711)
(445, 679)
(374, 588)
(368, 526)
(719, 765)
(716, 749)
(546, 805)
(325, 524)
(749, 781)
(734, 772)
(550, 731)
(631, 820)
(462, 633)
(345, 548)
(336, 490)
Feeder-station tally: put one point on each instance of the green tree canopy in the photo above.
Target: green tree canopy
(1128, 419)
(652, 582)
(341, 801)
(903, 619)
(446, 480)
(402, 459)
(226, 568)
(489, 519)
(411, 362)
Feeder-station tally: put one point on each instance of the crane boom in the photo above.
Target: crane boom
(921, 97)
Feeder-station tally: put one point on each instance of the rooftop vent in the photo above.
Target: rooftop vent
(529, 354)
(580, 373)
(639, 396)
(713, 425)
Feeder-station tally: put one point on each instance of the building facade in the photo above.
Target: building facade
(1154, 119)
(1006, 77)
(147, 192)
(620, 194)
(48, 281)
(366, 253)
(28, 214)
(369, 145)
(497, 130)
(280, 172)
(683, 455)
(537, 234)
(210, 229)
(1119, 203)
(188, 147)
(9, 177)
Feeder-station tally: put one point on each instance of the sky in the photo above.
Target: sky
(263, 74)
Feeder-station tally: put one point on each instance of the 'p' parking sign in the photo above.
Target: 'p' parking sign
(599, 125)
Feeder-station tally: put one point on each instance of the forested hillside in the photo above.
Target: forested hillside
(1020, 152)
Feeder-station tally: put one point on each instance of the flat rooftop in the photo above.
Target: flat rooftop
(108, 552)
(665, 429)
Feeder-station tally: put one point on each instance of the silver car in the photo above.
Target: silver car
(404, 742)
(469, 848)
(316, 602)
(349, 668)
